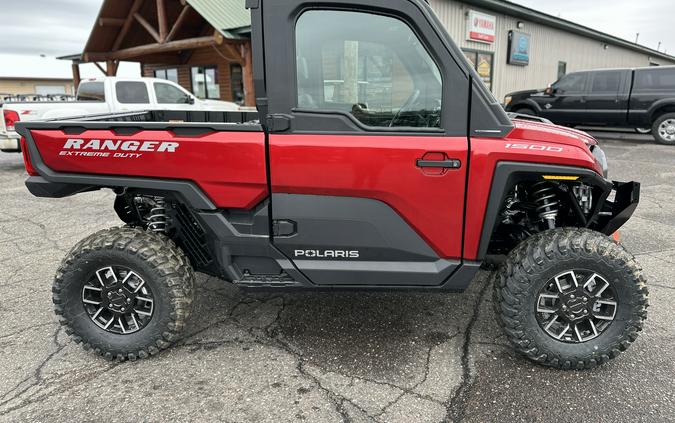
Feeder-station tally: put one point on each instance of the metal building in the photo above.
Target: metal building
(514, 47)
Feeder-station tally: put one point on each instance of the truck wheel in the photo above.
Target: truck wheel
(664, 129)
(525, 111)
(124, 293)
(570, 298)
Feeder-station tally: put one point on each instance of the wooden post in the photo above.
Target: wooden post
(247, 70)
(111, 68)
(76, 76)
(350, 88)
(161, 18)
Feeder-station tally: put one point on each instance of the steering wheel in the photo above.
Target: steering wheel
(411, 100)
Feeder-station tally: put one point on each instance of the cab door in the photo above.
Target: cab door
(567, 101)
(367, 145)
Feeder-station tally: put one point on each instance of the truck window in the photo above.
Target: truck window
(132, 92)
(168, 94)
(658, 79)
(373, 67)
(606, 82)
(91, 91)
(571, 84)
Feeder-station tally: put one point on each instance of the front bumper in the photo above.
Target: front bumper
(616, 212)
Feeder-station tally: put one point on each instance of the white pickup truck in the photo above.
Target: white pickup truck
(105, 95)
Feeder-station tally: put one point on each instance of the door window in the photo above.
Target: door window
(132, 92)
(169, 94)
(205, 82)
(571, 84)
(657, 79)
(370, 66)
(606, 82)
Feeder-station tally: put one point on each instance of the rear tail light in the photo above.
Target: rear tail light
(10, 118)
(26, 159)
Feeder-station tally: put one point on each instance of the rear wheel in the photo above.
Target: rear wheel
(570, 298)
(124, 293)
(664, 129)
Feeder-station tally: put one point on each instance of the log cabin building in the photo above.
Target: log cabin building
(203, 45)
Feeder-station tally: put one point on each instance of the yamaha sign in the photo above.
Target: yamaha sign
(480, 27)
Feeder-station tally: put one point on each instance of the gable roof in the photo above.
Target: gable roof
(224, 15)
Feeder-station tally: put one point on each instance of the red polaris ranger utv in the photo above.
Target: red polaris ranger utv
(377, 159)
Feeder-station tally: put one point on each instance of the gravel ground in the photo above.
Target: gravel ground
(324, 357)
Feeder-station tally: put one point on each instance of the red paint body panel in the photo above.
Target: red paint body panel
(382, 168)
(487, 152)
(228, 166)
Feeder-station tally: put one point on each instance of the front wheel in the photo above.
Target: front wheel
(124, 293)
(570, 298)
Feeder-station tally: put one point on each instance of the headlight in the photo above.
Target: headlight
(507, 100)
(601, 158)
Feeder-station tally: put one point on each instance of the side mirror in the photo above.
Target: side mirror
(190, 100)
(549, 91)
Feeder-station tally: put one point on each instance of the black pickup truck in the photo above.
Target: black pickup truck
(631, 98)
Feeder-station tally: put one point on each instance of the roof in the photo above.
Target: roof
(223, 15)
(518, 11)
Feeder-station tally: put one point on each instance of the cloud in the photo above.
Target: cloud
(50, 27)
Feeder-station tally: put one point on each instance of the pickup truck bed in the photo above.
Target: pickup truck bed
(235, 178)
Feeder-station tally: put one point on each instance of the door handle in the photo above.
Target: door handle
(445, 164)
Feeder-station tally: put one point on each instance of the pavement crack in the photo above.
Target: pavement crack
(455, 407)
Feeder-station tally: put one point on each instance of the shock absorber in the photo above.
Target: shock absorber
(157, 218)
(546, 201)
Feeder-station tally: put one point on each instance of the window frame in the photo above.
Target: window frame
(327, 112)
(166, 74)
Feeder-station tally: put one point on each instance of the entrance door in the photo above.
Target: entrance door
(482, 62)
(368, 161)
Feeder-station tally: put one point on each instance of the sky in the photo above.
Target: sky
(622, 18)
(31, 29)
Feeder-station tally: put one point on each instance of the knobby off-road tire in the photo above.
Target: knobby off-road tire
(531, 266)
(154, 259)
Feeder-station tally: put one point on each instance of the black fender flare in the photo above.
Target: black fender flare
(664, 102)
(526, 103)
(507, 174)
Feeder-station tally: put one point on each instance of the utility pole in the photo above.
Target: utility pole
(659, 46)
(636, 37)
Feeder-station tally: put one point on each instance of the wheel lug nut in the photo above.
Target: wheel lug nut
(564, 308)
(128, 300)
(119, 290)
(572, 296)
(584, 299)
(109, 294)
(585, 311)
(122, 309)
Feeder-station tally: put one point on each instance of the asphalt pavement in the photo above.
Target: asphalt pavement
(322, 356)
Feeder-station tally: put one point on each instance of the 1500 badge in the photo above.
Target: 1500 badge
(535, 147)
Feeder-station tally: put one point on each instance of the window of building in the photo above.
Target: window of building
(482, 63)
(168, 74)
(606, 82)
(205, 82)
(562, 69)
(169, 94)
(237, 83)
(572, 83)
(132, 92)
(371, 66)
